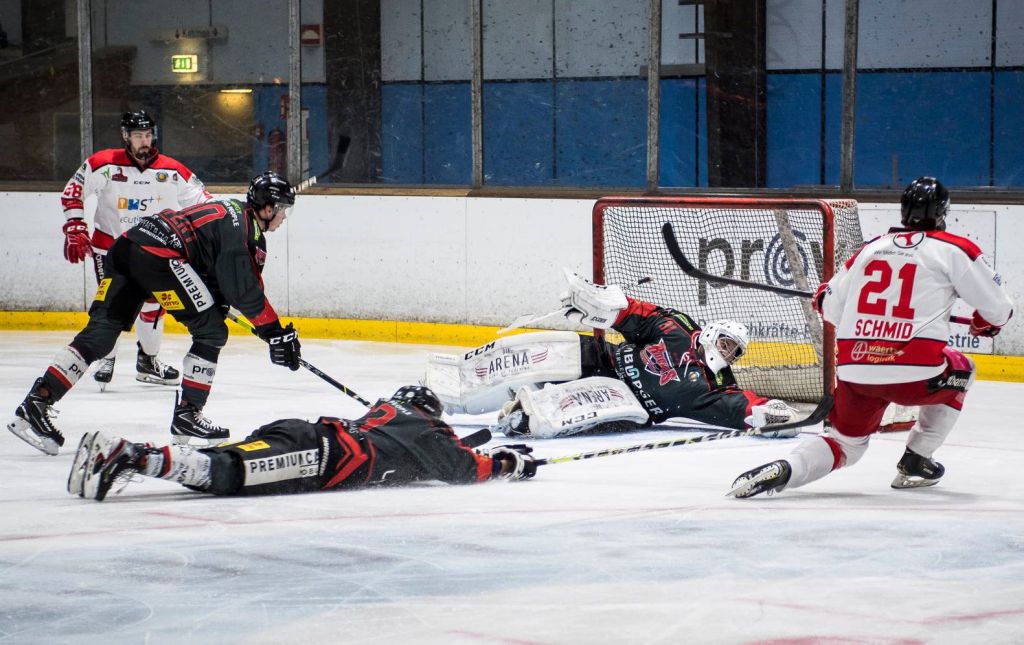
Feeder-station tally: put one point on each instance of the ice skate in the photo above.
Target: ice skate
(189, 423)
(33, 422)
(915, 471)
(77, 474)
(104, 372)
(771, 477)
(149, 369)
(109, 460)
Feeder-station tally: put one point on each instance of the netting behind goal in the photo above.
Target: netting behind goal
(752, 239)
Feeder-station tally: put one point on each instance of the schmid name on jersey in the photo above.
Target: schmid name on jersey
(883, 329)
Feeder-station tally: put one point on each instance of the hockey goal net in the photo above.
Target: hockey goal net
(757, 240)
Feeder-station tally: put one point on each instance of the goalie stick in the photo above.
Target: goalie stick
(242, 322)
(816, 416)
(684, 263)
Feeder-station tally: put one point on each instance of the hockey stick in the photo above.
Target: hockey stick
(688, 268)
(248, 325)
(816, 416)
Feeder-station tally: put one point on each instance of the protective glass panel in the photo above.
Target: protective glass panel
(39, 112)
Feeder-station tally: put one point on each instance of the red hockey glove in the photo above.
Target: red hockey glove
(819, 297)
(76, 240)
(982, 327)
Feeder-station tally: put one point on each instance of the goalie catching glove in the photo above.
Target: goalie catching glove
(590, 304)
(513, 462)
(771, 413)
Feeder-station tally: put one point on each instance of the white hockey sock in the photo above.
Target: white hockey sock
(811, 460)
(149, 327)
(933, 426)
(182, 464)
(69, 364)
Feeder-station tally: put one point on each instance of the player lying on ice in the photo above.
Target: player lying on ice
(667, 367)
(399, 440)
(890, 305)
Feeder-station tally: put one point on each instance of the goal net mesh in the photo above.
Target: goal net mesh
(745, 238)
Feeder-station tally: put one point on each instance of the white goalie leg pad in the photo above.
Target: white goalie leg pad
(480, 380)
(570, 408)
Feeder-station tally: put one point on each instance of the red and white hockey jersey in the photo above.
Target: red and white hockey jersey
(891, 301)
(127, 192)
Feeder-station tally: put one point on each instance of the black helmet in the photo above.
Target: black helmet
(137, 121)
(924, 205)
(269, 187)
(419, 397)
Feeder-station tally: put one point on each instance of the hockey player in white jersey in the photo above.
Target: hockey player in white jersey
(130, 182)
(890, 306)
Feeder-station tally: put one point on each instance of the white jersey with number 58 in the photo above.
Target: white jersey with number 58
(890, 304)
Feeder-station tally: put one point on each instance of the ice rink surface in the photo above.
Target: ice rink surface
(634, 548)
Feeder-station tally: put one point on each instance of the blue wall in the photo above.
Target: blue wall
(592, 132)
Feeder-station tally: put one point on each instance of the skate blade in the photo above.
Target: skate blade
(156, 380)
(23, 430)
(197, 442)
(77, 475)
(903, 482)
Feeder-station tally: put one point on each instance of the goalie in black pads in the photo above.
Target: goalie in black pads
(399, 440)
(667, 367)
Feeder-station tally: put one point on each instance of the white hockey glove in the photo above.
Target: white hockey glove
(593, 305)
(513, 462)
(770, 413)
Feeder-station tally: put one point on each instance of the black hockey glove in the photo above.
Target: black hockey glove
(284, 346)
(513, 462)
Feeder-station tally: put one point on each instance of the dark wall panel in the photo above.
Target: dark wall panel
(518, 134)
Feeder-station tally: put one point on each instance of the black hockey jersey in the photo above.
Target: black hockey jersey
(660, 363)
(223, 242)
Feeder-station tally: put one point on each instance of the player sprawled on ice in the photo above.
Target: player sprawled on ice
(197, 262)
(890, 305)
(129, 183)
(400, 440)
(667, 367)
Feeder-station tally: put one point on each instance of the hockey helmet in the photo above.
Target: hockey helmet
(137, 121)
(724, 342)
(419, 397)
(924, 205)
(268, 187)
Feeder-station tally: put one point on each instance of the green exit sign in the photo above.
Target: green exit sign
(184, 63)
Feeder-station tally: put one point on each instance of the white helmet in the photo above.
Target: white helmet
(723, 342)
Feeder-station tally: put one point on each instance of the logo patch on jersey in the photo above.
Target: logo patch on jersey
(193, 285)
(101, 291)
(128, 204)
(254, 445)
(168, 300)
(657, 361)
(161, 176)
(862, 352)
(119, 176)
(908, 239)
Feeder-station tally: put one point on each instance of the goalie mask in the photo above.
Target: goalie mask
(724, 342)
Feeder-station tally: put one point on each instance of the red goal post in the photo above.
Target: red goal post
(753, 239)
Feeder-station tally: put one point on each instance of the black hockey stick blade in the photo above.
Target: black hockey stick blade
(684, 263)
(476, 439)
(816, 416)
